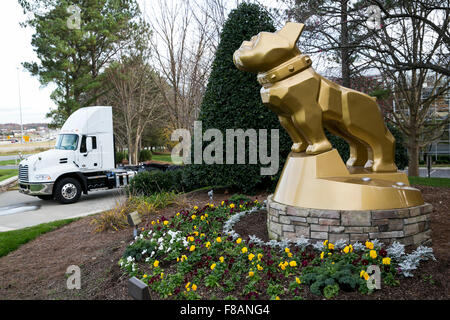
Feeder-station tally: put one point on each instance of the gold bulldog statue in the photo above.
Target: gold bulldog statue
(305, 103)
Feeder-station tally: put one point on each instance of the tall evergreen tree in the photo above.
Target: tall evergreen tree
(232, 101)
(74, 40)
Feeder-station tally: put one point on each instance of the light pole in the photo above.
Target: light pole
(20, 107)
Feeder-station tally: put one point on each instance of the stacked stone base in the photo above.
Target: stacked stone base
(410, 226)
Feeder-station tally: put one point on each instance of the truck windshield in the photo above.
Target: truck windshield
(67, 142)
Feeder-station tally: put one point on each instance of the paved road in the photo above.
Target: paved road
(18, 211)
(9, 167)
(4, 158)
(437, 172)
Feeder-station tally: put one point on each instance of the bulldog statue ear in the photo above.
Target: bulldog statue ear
(291, 31)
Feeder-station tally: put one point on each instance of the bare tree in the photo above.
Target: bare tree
(136, 100)
(182, 56)
(404, 51)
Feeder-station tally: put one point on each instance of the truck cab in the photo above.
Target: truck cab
(82, 160)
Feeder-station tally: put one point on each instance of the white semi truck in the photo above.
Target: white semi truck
(82, 160)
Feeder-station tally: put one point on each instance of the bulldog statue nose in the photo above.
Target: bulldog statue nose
(237, 60)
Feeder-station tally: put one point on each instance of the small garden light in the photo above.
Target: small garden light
(133, 220)
(138, 289)
(210, 194)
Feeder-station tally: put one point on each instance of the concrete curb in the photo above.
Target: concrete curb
(7, 182)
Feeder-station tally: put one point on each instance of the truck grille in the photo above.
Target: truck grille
(23, 173)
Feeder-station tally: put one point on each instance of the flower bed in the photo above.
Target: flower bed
(197, 255)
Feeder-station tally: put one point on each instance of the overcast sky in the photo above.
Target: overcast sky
(16, 48)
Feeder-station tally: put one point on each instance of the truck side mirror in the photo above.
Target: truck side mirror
(89, 144)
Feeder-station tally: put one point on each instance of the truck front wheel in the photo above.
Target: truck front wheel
(67, 190)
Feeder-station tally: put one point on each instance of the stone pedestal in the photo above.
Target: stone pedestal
(410, 226)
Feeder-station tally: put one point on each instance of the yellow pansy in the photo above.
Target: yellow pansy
(346, 249)
(232, 205)
(321, 255)
(251, 274)
(156, 263)
(239, 240)
(193, 217)
(219, 239)
(166, 222)
(330, 246)
(297, 280)
(260, 255)
(192, 248)
(194, 287)
(195, 208)
(369, 245)
(293, 263)
(251, 256)
(386, 260)
(213, 266)
(373, 254)
(144, 276)
(259, 267)
(221, 259)
(244, 250)
(325, 242)
(208, 244)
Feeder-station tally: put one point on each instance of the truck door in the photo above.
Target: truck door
(90, 153)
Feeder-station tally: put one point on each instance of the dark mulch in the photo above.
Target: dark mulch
(37, 269)
(430, 281)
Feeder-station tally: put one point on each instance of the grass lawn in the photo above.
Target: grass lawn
(433, 182)
(9, 162)
(162, 157)
(11, 240)
(7, 173)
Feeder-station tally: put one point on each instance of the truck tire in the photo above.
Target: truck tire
(67, 190)
(46, 197)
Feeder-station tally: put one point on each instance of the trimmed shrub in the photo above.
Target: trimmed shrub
(145, 155)
(232, 101)
(120, 156)
(147, 183)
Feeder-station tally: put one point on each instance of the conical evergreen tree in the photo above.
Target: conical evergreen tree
(232, 101)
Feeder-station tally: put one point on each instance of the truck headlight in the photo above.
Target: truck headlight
(42, 177)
